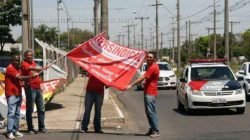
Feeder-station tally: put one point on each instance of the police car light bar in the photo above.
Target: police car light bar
(207, 60)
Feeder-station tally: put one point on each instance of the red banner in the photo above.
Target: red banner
(111, 63)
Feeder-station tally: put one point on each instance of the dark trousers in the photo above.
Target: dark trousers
(91, 99)
(34, 96)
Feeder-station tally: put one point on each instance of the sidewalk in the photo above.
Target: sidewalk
(65, 111)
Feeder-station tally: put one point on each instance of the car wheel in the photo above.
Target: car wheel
(180, 106)
(246, 93)
(186, 107)
(240, 110)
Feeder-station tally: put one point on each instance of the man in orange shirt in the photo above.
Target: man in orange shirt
(13, 95)
(33, 92)
(151, 77)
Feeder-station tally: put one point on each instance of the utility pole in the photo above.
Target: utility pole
(26, 25)
(226, 36)
(208, 42)
(161, 50)
(134, 25)
(232, 23)
(128, 26)
(157, 28)
(96, 15)
(119, 38)
(151, 37)
(169, 49)
(123, 40)
(178, 36)
(68, 18)
(215, 40)
(187, 40)
(58, 23)
(173, 45)
(31, 24)
(142, 19)
(104, 18)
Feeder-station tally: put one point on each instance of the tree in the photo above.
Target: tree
(10, 15)
(46, 34)
(5, 36)
(76, 36)
(246, 43)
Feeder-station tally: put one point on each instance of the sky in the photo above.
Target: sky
(123, 13)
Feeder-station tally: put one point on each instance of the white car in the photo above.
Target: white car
(167, 77)
(243, 76)
(207, 84)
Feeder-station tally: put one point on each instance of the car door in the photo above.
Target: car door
(182, 84)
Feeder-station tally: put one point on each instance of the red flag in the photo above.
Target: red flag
(111, 63)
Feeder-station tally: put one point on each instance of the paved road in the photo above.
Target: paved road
(203, 124)
(174, 125)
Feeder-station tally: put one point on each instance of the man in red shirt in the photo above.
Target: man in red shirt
(151, 77)
(94, 95)
(13, 95)
(33, 92)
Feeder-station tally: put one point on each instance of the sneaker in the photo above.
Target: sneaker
(18, 134)
(155, 134)
(32, 131)
(43, 130)
(149, 132)
(11, 136)
(99, 131)
(83, 131)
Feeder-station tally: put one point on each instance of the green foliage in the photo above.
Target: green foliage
(10, 15)
(46, 34)
(76, 36)
(246, 44)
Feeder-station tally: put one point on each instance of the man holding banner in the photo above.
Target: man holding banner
(13, 95)
(33, 92)
(150, 92)
(94, 95)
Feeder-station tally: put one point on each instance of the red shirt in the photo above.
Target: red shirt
(95, 85)
(32, 82)
(151, 78)
(12, 84)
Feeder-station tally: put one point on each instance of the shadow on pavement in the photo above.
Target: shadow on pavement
(92, 132)
(53, 106)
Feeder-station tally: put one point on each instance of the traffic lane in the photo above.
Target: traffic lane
(178, 125)
(201, 123)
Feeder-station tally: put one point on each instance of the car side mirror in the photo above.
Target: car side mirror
(242, 72)
(240, 79)
(183, 80)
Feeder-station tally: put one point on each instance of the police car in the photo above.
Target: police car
(209, 84)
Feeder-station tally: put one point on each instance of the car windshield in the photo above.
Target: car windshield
(161, 67)
(211, 73)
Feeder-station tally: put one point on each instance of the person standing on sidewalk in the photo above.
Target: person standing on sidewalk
(94, 95)
(33, 92)
(151, 77)
(13, 95)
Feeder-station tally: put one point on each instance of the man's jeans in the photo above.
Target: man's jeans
(150, 109)
(90, 99)
(34, 96)
(14, 105)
